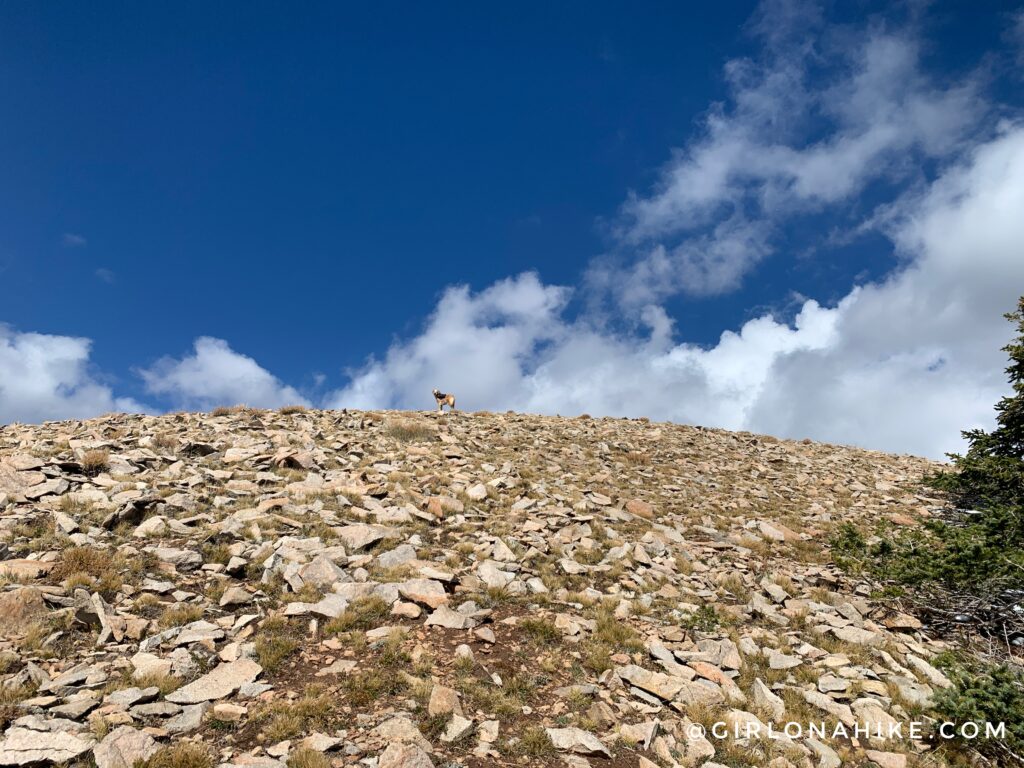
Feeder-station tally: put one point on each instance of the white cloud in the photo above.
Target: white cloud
(540, 361)
(901, 365)
(217, 375)
(476, 345)
(45, 376)
(822, 113)
(917, 357)
(71, 240)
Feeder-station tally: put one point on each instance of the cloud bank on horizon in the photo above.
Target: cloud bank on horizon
(900, 364)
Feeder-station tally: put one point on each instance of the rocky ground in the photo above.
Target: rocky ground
(324, 588)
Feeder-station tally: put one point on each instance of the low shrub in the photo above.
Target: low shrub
(985, 693)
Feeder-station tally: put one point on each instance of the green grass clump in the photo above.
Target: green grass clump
(534, 742)
(704, 619)
(312, 711)
(540, 630)
(610, 636)
(362, 614)
(276, 642)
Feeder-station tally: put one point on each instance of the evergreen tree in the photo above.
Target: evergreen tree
(991, 473)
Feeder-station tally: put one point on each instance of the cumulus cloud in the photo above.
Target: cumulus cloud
(489, 338)
(214, 374)
(544, 362)
(822, 112)
(919, 353)
(44, 376)
(902, 364)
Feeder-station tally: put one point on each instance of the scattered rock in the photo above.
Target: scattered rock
(499, 543)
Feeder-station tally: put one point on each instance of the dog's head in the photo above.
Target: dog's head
(437, 392)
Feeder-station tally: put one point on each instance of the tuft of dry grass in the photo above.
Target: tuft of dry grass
(733, 584)
(10, 698)
(227, 410)
(88, 560)
(308, 758)
(165, 441)
(541, 630)
(184, 754)
(99, 569)
(95, 461)
(286, 409)
(410, 430)
(216, 553)
(166, 683)
(282, 720)
(534, 742)
(179, 615)
(146, 601)
(506, 700)
(381, 677)
(610, 636)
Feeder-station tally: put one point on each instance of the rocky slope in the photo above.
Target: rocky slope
(314, 588)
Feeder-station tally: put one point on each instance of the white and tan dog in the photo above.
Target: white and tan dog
(442, 400)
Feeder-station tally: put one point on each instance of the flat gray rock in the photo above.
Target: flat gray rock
(25, 746)
(188, 720)
(576, 740)
(221, 682)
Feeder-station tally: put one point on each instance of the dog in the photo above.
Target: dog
(442, 400)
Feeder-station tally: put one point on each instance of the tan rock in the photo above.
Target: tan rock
(443, 701)
(25, 569)
(229, 712)
(26, 746)
(401, 729)
(404, 756)
(426, 591)
(640, 508)
(124, 747)
(20, 609)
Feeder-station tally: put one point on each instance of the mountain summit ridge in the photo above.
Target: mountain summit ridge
(316, 588)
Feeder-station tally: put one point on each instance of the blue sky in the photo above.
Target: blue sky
(556, 210)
